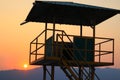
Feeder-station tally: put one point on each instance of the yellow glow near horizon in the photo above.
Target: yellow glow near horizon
(25, 66)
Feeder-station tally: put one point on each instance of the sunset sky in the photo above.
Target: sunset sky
(15, 39)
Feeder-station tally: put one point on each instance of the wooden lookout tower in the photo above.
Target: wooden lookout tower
(76, 55)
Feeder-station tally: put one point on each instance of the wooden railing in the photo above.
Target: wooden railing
(99, 52)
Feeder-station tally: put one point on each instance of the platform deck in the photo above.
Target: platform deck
(55, 61)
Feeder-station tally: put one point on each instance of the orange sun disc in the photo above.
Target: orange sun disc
(25, 66)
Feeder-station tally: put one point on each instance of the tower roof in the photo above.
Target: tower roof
(69, 13)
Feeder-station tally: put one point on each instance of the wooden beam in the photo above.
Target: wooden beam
(52, 72)
(44, 72)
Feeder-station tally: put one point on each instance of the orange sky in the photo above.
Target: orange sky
(15, 39)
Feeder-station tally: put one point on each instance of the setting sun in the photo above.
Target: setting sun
(25, 66)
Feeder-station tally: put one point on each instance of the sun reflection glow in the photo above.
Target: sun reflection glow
(25, 66)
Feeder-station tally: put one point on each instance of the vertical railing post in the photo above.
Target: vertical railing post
(30, 54)
(99, 52)
(45, 40)
(81, 30)
(94, 40)
(93, 68)
(113, 52)
(57, 46)
(36, 49)
(62, 45)
(62, 35)
(53, 39)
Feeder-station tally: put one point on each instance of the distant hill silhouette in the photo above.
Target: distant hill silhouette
(108, 73)
(33, 74)
(36, 74)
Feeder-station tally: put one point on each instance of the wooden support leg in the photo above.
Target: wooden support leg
(44, 72)
(52, 72)
(80, 73)
(92, 73)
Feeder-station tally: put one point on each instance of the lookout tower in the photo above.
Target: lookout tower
(76, 55)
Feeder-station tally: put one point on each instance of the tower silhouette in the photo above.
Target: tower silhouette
(76, 55)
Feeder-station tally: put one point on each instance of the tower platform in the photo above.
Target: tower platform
(55, 61)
